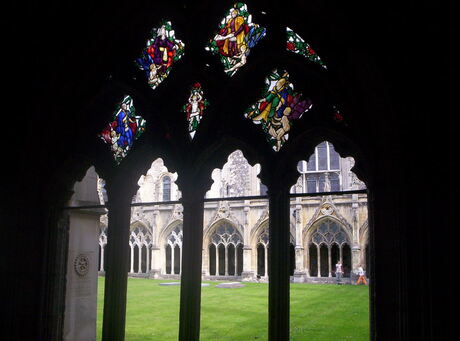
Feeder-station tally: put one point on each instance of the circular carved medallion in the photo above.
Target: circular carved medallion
(81, 265)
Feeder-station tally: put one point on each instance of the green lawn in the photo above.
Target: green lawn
(318, 312)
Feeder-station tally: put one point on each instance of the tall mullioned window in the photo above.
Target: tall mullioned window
(321, 173)
(166, 188)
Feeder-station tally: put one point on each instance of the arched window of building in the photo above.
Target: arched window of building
(325, 171)
(166, 188)
(102, 244)
(226, 251)
(140, 243)
(263, 189)
(262, 254)
(328, 244)
(173, 251)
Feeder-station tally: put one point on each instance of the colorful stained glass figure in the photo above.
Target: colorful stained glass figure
(278, 108)
(162, 51)
(195, 108)
(236, 36)
(338, 117)
(296, 44)
(125, 128)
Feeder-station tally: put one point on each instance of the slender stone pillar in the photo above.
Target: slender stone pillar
(190, 295)
(102, 257)
(235, 269)
(172, 259)
(132, 259)
(117, 262)
(279, 265)
(217, 261)
(139, 263)
(265, 261)
(329, 261)
(318, 252)
(147, 269)
(226, 260)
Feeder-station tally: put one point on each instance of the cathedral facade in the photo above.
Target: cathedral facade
(323, 228)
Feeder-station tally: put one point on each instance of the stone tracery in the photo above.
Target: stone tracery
(236, 233)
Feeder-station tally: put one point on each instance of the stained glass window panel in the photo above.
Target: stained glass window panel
(236, 36)
(194, 108)
(296, 44)
(125, 128)
(278, 108)
(162, 51)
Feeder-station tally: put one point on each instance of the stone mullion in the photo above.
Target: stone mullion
(217, 260)
(226, 260)
(147, 269)
(173, 248)
(235, 272)
(329, 260)
(132, 258)
(279, 265)
(102, 257)
(116, 276)
(318, 252)
(265, 260)
(139, 256)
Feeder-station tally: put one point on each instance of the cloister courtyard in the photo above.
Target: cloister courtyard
(320, 312)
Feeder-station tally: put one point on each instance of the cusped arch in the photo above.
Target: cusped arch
(257, 231)
(208, 232)
(315, 226)
(166, 232)
(364, 234)
(140, 235)
(214, 228)
(263, 228)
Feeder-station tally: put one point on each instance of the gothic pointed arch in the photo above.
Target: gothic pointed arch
(331, 231)
(166, 231)
(327, 209)
(213, 226)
